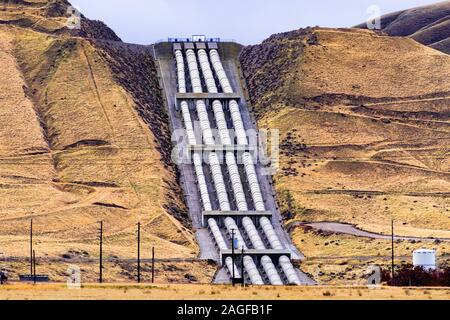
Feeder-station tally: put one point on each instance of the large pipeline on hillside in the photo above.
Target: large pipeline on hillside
(241, 136)
(239, 194)
(199, 166)
(214, 162)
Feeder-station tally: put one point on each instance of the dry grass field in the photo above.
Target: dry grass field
(166, 271)
(338, 259)
(208, 292)
(75, 150)
(365, 131)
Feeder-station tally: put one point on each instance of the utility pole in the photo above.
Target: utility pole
(392, 243)
(139, 252)
(242, 267)
(31, 247)
(101, 253)
(3, 269)
(34, 267)
(232, 255)
(153, 265)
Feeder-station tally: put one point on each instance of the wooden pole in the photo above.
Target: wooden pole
(242, 267)
(232, 255)
(139, 252)
(31, 247)
(101, 253)
(34, 267)
(153, 265)
(393, 254)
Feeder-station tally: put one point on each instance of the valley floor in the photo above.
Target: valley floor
(210, 292)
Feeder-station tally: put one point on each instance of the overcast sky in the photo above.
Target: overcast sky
(246, 21)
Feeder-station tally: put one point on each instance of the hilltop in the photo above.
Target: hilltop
(429, 25)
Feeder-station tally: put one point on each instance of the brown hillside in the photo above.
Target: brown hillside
(364, 122)
(84, 137)
(429, 25)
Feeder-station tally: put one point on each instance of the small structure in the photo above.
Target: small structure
(3, 276)
(198, 38)
(34, 278)
(3, 272)
(425, 258)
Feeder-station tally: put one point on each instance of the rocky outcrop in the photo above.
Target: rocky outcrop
(57, 8)
(96, 30)
(266, 66)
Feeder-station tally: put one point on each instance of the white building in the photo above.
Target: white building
(425, 258)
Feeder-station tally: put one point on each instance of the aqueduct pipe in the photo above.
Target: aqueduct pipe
(219, 184)
(241, 136)
(239, 194)
(199, 166)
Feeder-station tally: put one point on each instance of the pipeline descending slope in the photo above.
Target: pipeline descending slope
(238, 190)
(218, 179)
(198, 163)
(215, 166)
(224, 196)
(265, 223)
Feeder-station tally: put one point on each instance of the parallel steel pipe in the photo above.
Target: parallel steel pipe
(241, 136)
(237, 186)
(199, 166)
(208, 138)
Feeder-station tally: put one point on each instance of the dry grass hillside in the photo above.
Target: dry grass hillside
(364, 120)
(83, 138)
(429, 25)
